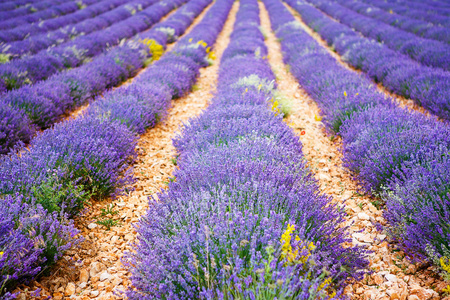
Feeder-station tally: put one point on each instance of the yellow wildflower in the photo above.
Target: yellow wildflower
(211, 55)
(1, 253)
(154, 48)
(345, 93)
(202, 43)
(208, 49)
(447, 289)
(445, 264)
(317, 118)
(190, 40)
(286, 247)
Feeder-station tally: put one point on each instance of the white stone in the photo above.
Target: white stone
(363, 216)
(391, 277)
(94, 293)
(104, 276)
(92, 226)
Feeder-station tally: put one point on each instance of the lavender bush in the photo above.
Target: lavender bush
(428, 52)
(417, 27)
(88, 157)
(45, 63)
(40, 10)
(410, 12)
(31, 239)
(398, 154)
(427, 86)
(38, 36)
(44, 104)
(223, 229)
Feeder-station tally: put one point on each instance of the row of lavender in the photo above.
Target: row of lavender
(37, 11)
(27, 109)
(410, 12)
(130, 19)
(18, 30)
(11, 4)
(435, 7)
(244, 218)
(88, 158)
(429, 87)
(393, 152)
(417, 27)
(428, 52)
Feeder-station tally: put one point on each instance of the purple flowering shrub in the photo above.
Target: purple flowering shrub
(428, 52)
(427, 86)
(138, 106)
(379, 141)
(408, 11)
(76, 52)
(70, 163)
(398, 154)
(31, 239)
(28, 31)
(243, 216)
(46, 101)
(91, 156)
(417, 27)
(14, 127)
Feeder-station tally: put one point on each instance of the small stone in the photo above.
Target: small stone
(94, 293)
(104, 276)
(413, 297)
(92, 226)
(363, 216)
(82, 285)
(57, 296)
(96, 268)
(391, 277)
(84, 275)
(70, 289)
(393, 294)
(424, 294)
(116, 281)
(378, 279)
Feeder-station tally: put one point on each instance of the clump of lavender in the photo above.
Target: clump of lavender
(244, 216)
(31, 239)
(398, 154)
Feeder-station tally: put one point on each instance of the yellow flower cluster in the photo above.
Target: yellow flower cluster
(286, 247)
(445, 263)
(275, 106)
(1, 253)
(154, 48)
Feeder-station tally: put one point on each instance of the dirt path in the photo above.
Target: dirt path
(393, 277)
(95, 271)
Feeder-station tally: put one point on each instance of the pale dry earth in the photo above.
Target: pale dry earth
(393, 276)
(94, 270)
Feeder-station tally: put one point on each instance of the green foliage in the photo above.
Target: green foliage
(54, 194)
(108, 223)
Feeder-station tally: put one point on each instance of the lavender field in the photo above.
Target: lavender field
(222, 149)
